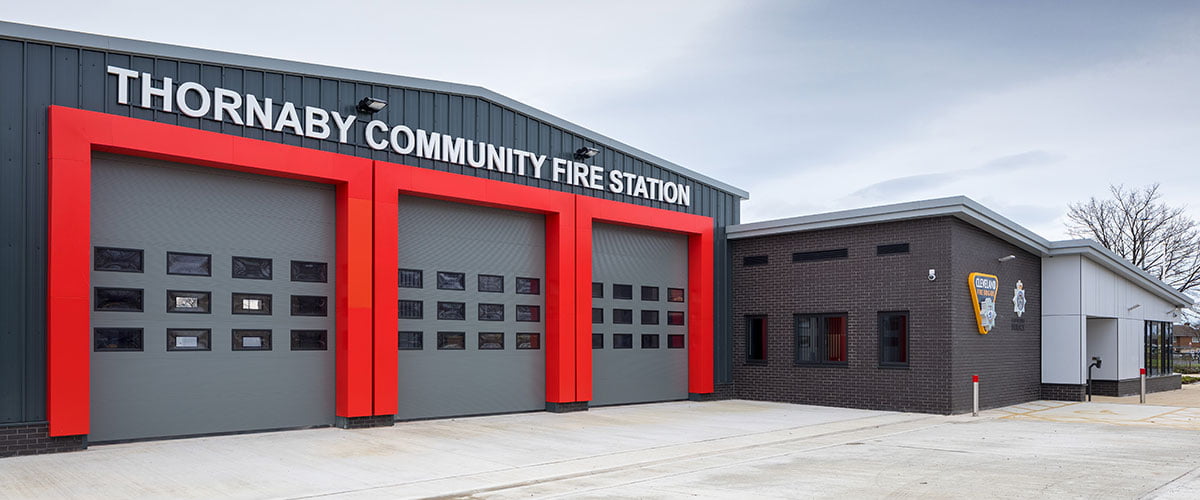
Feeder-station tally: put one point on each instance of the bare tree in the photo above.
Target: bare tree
(1135, 224)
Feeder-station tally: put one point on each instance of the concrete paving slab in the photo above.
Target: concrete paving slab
(1187, 396)
(725, 449)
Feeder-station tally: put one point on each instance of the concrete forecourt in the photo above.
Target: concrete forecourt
(722, 449)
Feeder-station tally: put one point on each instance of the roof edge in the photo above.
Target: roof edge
(82, 39)
(974, 213)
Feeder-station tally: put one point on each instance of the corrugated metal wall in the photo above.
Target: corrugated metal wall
(37, 74)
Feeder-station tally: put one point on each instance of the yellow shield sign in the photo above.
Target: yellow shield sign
(983, 293)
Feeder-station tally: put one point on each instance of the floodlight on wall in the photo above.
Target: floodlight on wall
(1006, 258)
(371, 105)
(585, 153)
(1135, 306)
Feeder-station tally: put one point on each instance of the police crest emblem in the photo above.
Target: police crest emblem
(1019, 299)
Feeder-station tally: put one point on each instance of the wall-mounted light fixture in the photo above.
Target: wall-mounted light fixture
(1135, 306)
(1006, 258)
(585, 153)
(370, 105)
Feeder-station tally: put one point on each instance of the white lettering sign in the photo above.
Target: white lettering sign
(195, 100)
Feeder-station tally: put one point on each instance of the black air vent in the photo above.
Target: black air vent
(891, 249)
(754, 260)
(840, 253)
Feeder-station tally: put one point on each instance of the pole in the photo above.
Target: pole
(975, 386)
(1143, 398)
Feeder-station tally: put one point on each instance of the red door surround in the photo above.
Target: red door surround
(367, 211)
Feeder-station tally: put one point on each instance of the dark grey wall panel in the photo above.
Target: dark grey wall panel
(638, 257)
(452, 237)
(161, 207)
(72, 72)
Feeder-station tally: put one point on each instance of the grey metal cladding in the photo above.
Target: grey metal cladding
(164, 391)
(45, 66)
(643, 258)
(439, 236)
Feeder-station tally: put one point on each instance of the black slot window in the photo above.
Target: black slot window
(622, 316)
(491, 341)
(451, 341)
(451, 281)
(821, 339)
(529, 286)
(597, 315)
(411, 341)
(840, 253)
(597, 290)
(623, 292)
(1159, 338)
(622, 341)
(411, 309)
(252, 268)
(529, 313)
(650, 293)
(310, 340)
(310, 272)
(118, 260)
(755, 260)
(891, 249)
(454, 311)
(893, 339)
(756, 339)
(675, 341)
(189, 264)
(491, 283)
(189, 301)
(491, 312)
(649, 317)
(180, 339)
(674, 295)
(118, 299)
(650, 341)
(411, 278)
(310, 305)
(251, 340)
(252, 303)
(117, 339)
(675, 318)
(597, 341)
(529, 341)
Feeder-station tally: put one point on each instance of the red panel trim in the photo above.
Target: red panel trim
(75, 134)
(699, 230)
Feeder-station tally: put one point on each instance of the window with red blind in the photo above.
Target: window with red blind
(821, 339)
(893, 338)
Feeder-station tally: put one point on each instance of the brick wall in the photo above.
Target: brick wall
(860, 286)
(1007, 359)
(34, 439)
(1064, 392)
(945, 348)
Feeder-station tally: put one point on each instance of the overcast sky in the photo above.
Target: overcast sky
(811, 106)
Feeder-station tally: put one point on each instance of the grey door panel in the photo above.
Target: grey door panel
(438, 236)
(637, 257)
(162, 207)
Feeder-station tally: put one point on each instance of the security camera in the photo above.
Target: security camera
(932, 274)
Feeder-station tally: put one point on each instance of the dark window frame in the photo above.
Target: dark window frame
(324, 336)
(764, 337)
(482, 306)
(419, 345)
(420, 308)
(671, 344)
(420, 274)
(201, 295)
(234, 266)
(448, 274)
(240, 333)
(656, 338)
(676, 314)
(620, 321)
(324, 312)
(479, 345)
(237, 298)
(650, 317)
(627, 336)
(204, 337)
(671, 295)
(1158, 344)
(479, 283)
(302, 265)
(597, 315)
(141, 336)
(462, 308)
(207, 257)
(141, 264)
(441, 344)
(536, 345)
(905, 337)
(537, 286)
(755, 260)
(141, 302)
(597, 290)
(622, 296)
(892, 249)
(537, 313)
(654, 294)
(598, 336)
(820, 340)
